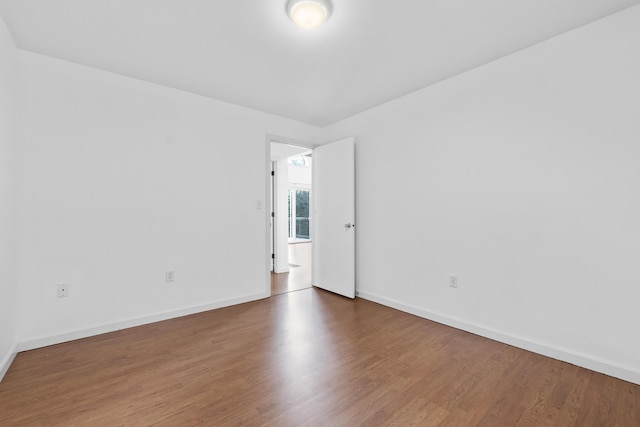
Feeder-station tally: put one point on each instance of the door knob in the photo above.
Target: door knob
(348, 225)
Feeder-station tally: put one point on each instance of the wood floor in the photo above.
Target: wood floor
(306, 358)
(299, 275)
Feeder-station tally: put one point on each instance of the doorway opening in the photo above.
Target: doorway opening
(291, 218)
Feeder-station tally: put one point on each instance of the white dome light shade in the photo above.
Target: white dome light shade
(309, 14)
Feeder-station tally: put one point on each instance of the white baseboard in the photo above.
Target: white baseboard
(32, 343)
(563, 354)
(7, 360)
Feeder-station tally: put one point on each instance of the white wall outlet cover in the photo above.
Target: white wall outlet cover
(170, 275)
(453, 281)
(63, 290)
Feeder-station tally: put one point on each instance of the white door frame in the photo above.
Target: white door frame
(272, 222)
(267, 174)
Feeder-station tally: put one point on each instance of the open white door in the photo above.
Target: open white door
(334, 217)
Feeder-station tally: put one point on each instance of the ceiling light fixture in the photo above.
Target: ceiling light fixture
(309, 14)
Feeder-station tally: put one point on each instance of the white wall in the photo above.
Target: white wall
(282, 217)
(121, 179)
(522, 177)
(8, 279)
(299, 176)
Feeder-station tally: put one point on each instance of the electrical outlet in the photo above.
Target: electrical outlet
(63, 290)
(169, 275)
(453, 281)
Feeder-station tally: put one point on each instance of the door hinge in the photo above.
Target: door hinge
(273, 214)
(273, 173)
(273, 256)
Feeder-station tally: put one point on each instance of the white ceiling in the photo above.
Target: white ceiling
(249, 53)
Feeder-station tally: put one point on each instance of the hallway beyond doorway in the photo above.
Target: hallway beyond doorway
(299, 275)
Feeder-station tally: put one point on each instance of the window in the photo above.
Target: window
(299, 214)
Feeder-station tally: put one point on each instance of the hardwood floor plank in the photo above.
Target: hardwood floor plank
(539, 396)
(573, 405)
(299, 275)
(628, 407)
(307, 358)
